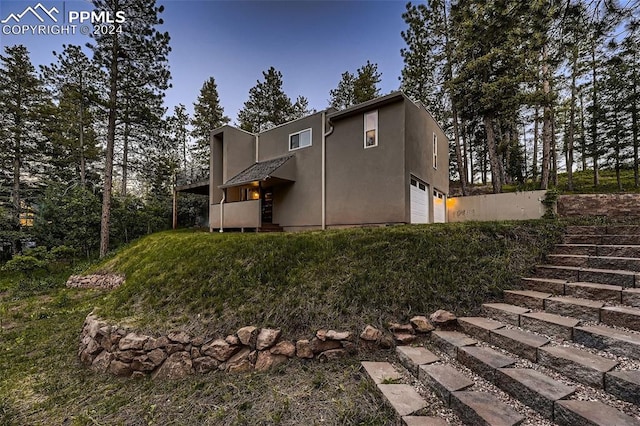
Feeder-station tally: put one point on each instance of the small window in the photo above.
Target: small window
(414, 182)
(422, 187)
(371, 129)
(435, 151)
(300, 140)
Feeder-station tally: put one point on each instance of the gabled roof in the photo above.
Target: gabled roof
(260, 171)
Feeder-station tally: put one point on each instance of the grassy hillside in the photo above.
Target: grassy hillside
(300, 281)
(306, 281)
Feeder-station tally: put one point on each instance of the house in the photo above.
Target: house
(384, 161)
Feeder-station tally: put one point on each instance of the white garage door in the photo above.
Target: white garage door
(419, 201)
(439, 207)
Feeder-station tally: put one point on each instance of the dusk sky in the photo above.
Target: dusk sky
(311, 42)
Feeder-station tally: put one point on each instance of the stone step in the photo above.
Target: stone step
(545, 285)
(526, 298)
(578, 260)
(623, 230)
(574, 412)
(479, 327)
(577, 364)
(595, 262)
(584, 249)
(618, 250)
(594, 291)
(619, 239)
(504, 312)
(583, 309)
(549, 324)
(424, 421)
(412, 357)
(450, 341)
(621, 316)
(443, 379)
(581, 239)
(482, 408)
(615, 341)
(577, 274)
(533, 388)
(381, 372)
(484, 361)
(404, 399)
(624, 384)
(518, 342)
(586, 230)
(631, 297)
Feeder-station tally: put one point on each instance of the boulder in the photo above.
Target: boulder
(179, 337)
(177, 366)
(338, 335)
(303, 349)
(120, 368)
(102, 361)
(232, 340)
(371, 334)
(172, 348)
(285, 348)
(160, 342)
(219, 349)
(132, 341)
(205, 364)
(318, 345)
(267, 360)
(401, 328)
(248, 336)
(142, 363)
(442, 318)
(157, 356)
(267, 338)
(240, 362)
(421, 324)
(321, 334)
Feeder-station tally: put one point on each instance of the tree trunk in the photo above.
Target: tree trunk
(546, 123)
(83, 166)
(468, 161)
(108, 167)
(493, 154)
(536, 132)
(634, 120)
(554, 151)
(594, 118)
(583, 135)
(125, 152)
(572, 120)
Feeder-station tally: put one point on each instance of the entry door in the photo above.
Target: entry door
(419, 196)
(267, 206)
(439, 207)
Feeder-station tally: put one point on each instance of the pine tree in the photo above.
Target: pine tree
(139, 51)
(354, 89)
(208, 114)
(342, 96)
(268, 105)
(21, 101)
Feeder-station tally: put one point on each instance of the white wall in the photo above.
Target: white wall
(508, 206)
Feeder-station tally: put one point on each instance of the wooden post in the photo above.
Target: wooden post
(175, 209)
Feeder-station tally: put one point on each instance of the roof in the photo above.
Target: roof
(257, 172)
(373, 103)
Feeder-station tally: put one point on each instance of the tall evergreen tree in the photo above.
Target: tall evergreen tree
(342, 96)
(354, 89)
(208, 114)
(139, 51)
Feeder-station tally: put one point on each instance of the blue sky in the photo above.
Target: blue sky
(311, 42)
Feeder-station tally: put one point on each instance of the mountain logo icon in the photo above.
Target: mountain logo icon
(34, 11)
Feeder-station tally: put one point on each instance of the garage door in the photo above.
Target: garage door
(419, 201)
(439, 207)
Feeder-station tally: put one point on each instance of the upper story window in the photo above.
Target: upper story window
(299, 140)
(371, 129)
(435, 151)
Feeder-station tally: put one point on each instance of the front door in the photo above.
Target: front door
(267, 206)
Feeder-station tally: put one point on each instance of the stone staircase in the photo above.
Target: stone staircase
(563, 350)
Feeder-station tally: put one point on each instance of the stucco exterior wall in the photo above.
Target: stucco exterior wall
(507, 206)
(245, 214)
(297, 204)
(366, 185)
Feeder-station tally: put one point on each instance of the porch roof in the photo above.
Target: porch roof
(260, 171)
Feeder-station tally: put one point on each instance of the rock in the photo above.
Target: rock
(110, 342)
(120, 368)
(195, 353)
(248, 336)
(198, 341)
(157, 356)
(205, 364)
(303, 349)
(318, 345)
(102, 361)
(239, 358)
(219, 349)
(371, 334)
(132, 341)
(338, 335)
(93, 347)
(137, 375)
(421, 324)
(267, 360)
(232, 340)
(404, 338)
(443, 318)
(179, 337)
(177, 366)
(401, 328)
(350, 347)
(332, 354)
(321, 334)
(142, 364)
(127, 356)
(172, 348)
(285, 348)
(160, 342)
(386, 342)
(253, 356)
(267, 338)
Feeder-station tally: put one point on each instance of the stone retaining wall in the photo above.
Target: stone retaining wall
(98, 281)
(609, 205)
(107, 348)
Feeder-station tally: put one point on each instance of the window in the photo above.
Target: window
(371, 129)
(435, 151)
(299, 140)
